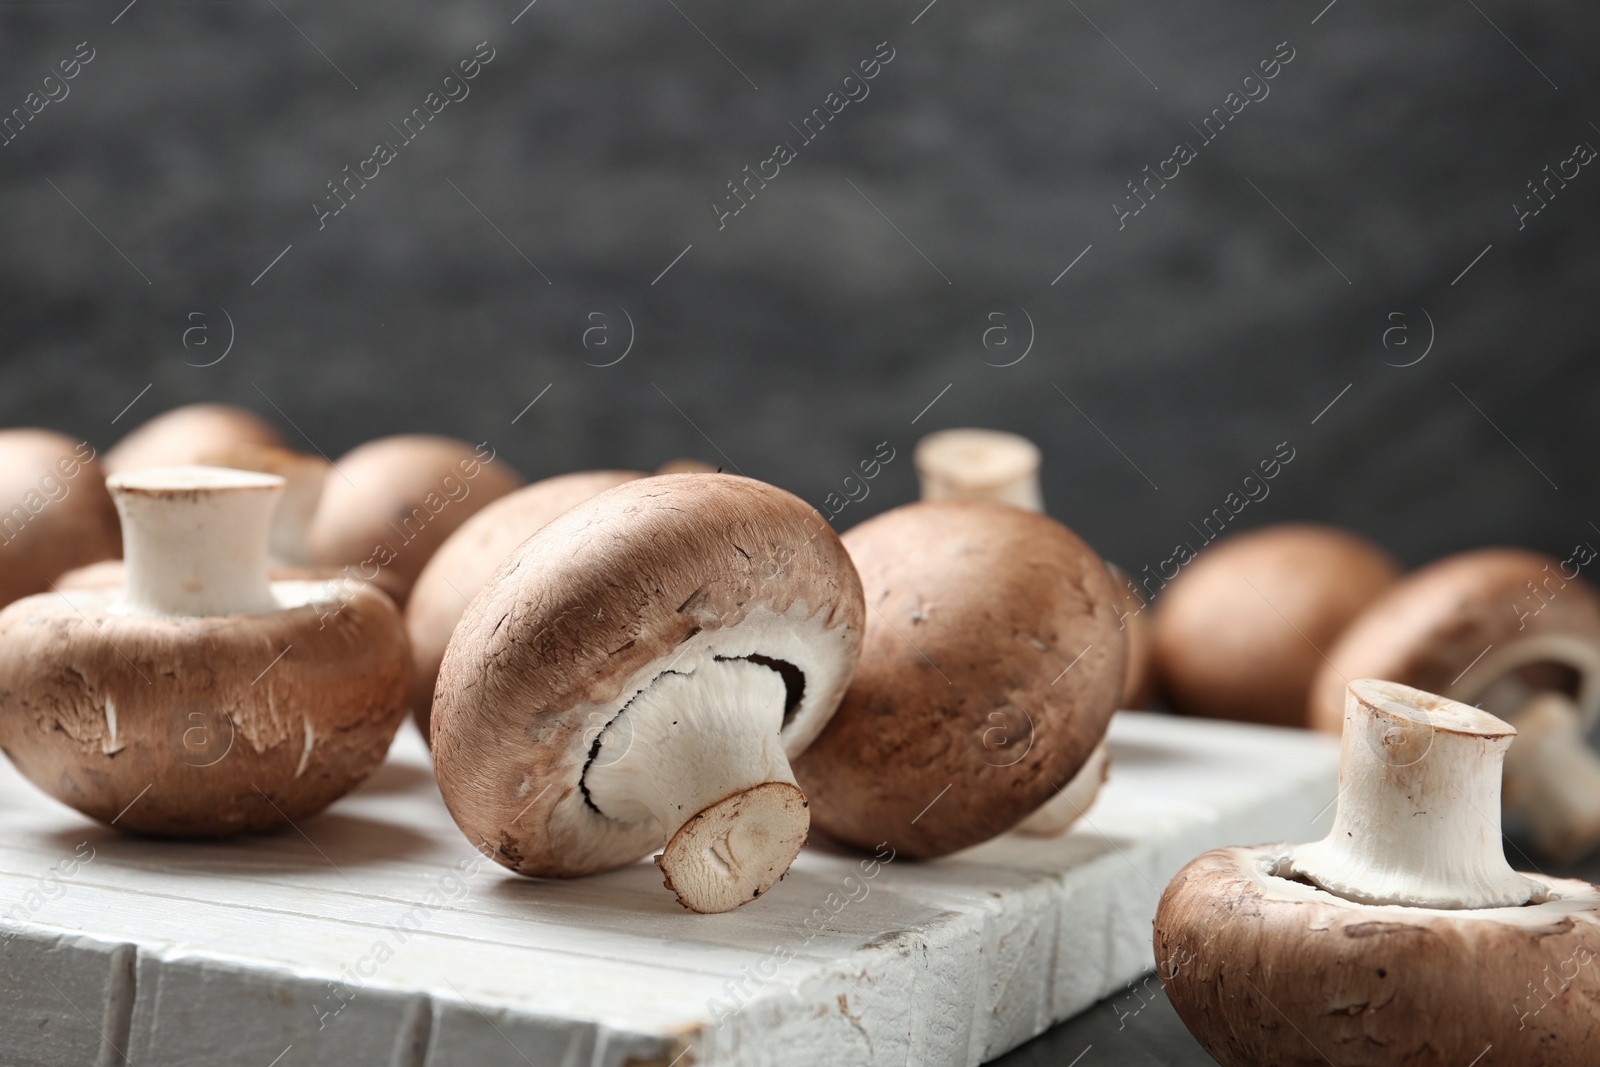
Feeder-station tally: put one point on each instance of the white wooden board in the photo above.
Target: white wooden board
(370, 936)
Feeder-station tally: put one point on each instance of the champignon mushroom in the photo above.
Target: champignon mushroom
(463, 564)
(200, 699)
(389, 504)
(1502, 628)
(1241, 631)
(972, 464)
(182, 435)
(639, 673)
(54, 510)
(1401, 938)
(991, 665)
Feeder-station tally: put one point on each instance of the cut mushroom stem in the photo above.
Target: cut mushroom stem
(195, 540)
(970, 464)
(1553, 776)
(1418, 821)
(700, 755)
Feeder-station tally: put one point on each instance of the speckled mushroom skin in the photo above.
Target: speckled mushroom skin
(658, 573)
(462, 565)
(1237, 632)
(377, 487)
(227, 740)
(50, 520)
(1428, 629)
(1263, 970)
(976, 610)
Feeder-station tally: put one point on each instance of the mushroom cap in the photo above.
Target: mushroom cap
(1240, 632)
(686, 465)
(661, 573)
(57, 514)
(398, 499)
(183, 435)
(1266, 970)
(1454, 627)
(96, 705)
(463, 564)
(991, 666)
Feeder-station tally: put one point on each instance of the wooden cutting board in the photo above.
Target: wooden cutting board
(374, 934)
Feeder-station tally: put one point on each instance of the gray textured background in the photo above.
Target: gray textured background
(808, 330)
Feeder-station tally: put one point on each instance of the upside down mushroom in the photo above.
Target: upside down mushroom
(198, 698)
(638, 674)
(1403, 938)
(1513, 632)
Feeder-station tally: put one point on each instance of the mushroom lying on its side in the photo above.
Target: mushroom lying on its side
(1502, 628)
(638, 674)
(991, 666)
(455, 573)
(200, 699)
(183, 435)
(55, 513)
(389, 504)
(1403, 938)
(1240, 632)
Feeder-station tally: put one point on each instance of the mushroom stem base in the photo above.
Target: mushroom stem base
(731, 852)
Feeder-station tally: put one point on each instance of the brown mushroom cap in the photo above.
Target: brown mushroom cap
(1455, 628)
(1263, 969)
(1138, 678)
(389, 504)
(183, 435)
(463, 564)
(1238, 632)
(686, 466)
(55, 513)
(991, 666)
(651, 581)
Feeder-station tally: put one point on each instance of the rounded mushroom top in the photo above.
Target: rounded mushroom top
(183, 435)
(1237, 633)
(1489, 626)
(992, 663)
(54, 511)
(973, 464)
(661, 575)
(390, 503)
(455, 573)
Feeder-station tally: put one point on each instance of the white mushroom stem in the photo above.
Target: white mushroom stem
(303, 477)
(701, 756)
(195, 540)
(979, 465)
(1553, 776)
(1418, 821)
(1057, 814)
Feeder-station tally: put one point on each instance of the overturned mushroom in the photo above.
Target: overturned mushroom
(389, 504)
(455, 573)
(1508, 630)
(199, 699)
(55, 513)
(183, 435)
(1403, 937)
(1241, 631)
(638, 674)
(991, 666)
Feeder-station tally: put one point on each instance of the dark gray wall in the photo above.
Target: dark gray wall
(1212, 326)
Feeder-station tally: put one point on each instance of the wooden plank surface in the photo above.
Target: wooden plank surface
(374, 934)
